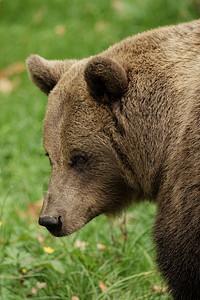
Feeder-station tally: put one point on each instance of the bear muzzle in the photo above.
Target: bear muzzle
(54, 225)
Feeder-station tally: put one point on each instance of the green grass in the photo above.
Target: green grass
(128, 270)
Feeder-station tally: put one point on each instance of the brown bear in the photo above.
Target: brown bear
(123, 126)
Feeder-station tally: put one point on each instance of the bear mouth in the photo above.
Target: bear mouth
(55, 232)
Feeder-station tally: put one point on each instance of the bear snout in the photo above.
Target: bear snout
(54, 225)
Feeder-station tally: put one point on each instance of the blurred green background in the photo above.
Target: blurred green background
(58, 29)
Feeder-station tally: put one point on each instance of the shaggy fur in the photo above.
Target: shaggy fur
(123, 126)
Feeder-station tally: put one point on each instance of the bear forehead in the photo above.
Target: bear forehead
(73, 113)
(70, 103)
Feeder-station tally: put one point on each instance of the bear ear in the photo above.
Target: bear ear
(106, 79)
(46, 73)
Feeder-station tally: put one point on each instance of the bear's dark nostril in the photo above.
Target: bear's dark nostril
(51, 223)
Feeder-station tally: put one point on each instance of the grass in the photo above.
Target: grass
(121, 270)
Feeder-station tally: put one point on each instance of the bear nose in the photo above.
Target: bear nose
(51, 223)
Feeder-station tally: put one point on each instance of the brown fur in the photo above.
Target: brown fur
(125, 125)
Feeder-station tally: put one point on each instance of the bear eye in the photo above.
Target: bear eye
(79, 161)
(47, 154)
